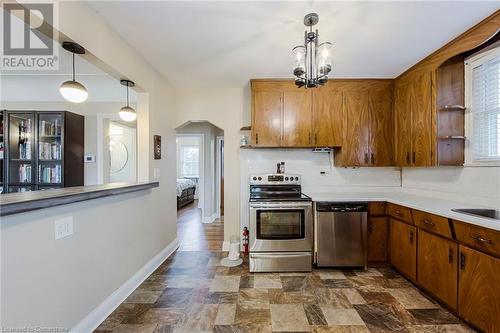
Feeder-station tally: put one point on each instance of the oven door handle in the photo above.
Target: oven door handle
(280, 205)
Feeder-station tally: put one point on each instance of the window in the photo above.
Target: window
(483, 108)
(189, 161)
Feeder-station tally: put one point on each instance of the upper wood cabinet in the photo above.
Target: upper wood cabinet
(297, 127)
(413, 127)
(267, 110)
(327, 116)
(479, 289)
(281, 114)
(367, 124)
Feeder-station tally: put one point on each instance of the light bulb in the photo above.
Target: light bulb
(127, 113)
(73, 91)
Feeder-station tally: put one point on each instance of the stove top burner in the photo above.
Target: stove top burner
(276, 187)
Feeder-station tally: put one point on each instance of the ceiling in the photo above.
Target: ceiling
(226, 43)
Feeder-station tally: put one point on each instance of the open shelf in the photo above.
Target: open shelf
(246, 128)
(452, 108)
(452, 137)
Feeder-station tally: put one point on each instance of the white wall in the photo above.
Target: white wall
(472, 185)
(223, 108)
(57, 283)
(310, 165)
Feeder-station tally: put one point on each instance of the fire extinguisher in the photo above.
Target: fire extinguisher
(245, 240)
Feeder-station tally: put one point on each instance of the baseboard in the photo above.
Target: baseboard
(210, 219)
(101, 312)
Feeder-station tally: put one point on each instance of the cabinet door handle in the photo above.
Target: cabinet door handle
(414, 158)
(411, 237)
(315, 139)
(256, 138)
(482, 240)
(450, 255)
(462, 261)
(407, 157)
(366, 158)
(398, 212)
(373, 158)
(370, 228)
(429, 223)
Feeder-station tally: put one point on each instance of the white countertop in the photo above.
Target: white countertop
(430, 204)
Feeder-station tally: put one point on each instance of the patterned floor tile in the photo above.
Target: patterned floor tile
(225, 283)
(289, 318)
(267, 283)
(342, 317)
(191, 292)
(225, 314)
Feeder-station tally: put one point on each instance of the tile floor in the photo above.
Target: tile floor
(191, 292)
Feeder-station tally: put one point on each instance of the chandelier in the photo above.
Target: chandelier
(312, 60)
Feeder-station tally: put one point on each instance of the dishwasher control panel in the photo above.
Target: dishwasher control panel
(341, 206)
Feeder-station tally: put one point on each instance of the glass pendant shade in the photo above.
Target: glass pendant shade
(127, 113)
(324, 64)
(299, 67)
(73, 91)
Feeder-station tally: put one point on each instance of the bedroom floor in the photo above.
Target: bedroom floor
(194, 235)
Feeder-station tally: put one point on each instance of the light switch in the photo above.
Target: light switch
(63, 227)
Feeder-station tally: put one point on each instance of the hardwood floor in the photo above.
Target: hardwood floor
(194, 235)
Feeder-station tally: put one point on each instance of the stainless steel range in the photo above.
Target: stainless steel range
(281, 224)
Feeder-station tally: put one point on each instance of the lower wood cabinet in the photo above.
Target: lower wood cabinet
(437, 267)
(377, 239)
(479, 289)
(403, 248)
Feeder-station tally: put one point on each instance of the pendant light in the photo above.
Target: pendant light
(72, 90)
(127, 113)
(312, 60)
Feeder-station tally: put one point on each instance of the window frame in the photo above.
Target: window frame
(181, 160)
(470, 63)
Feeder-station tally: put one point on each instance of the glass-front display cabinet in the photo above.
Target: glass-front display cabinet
(44, 150)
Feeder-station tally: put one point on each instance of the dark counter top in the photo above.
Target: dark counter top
(14, 203)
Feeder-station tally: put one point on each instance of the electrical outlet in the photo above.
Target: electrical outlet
(63, 227)
(156, 173)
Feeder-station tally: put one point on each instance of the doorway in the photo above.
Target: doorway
(200, 216)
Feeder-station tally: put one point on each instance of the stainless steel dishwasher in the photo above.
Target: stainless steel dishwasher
(341, 234)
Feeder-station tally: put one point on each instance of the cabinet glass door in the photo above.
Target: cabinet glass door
(50, 149)
(20, 149)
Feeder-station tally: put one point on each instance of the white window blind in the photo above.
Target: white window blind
(190, 161)
(485, 108)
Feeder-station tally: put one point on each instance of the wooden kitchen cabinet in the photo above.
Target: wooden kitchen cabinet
(297, 119)
(368, 136)
(355, 147)
(327, 116)
(381, 123)
(479, 289)
(377, 239)
(403, 248)
(437, 267)
(266, 124)
(412, 114)
(281, 114)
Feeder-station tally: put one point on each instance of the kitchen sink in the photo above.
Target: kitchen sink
(489, 213)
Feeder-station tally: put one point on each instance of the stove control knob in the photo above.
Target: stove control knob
(260, 178)
(297, 178)
(254, 178)
(286, 178)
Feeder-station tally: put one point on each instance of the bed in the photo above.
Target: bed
(185, 192)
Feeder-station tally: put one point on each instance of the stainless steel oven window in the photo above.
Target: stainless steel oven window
(280, 224)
